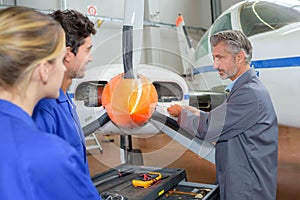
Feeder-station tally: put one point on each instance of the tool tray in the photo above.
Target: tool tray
(123, 185)
(186, 190)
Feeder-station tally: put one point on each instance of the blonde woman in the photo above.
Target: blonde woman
(33, 164)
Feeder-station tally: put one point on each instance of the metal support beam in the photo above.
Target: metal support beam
(216, 9)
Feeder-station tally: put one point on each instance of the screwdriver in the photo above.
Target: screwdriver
(118, 175)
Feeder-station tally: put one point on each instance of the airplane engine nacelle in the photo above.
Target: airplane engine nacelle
(129, 102)
(88, 95)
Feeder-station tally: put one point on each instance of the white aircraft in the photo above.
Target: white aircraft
(270, 26)
(170, 87)
(89, 95)
(273, 27)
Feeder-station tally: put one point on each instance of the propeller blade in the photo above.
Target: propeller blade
(132, 28)
(170, 127)
(95, 125)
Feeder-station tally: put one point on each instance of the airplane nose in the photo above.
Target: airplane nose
(129, 102)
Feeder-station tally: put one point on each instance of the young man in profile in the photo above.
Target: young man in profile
(58, 116)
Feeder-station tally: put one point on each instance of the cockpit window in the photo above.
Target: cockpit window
(259, 16)
(221, 24)
(202, 47)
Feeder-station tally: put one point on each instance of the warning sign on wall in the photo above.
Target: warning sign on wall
(92, 10)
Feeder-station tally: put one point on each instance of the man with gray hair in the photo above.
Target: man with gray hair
(244, 126)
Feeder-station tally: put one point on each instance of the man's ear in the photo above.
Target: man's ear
(240, 57)
(68, 55)
(43, 71)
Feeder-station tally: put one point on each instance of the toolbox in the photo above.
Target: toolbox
(117, 183)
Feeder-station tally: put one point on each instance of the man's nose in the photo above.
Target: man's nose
(215, 65)
(90, 58)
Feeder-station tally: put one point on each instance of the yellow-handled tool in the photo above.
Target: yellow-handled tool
(146, 180)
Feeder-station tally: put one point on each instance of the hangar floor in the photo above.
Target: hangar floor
(161, 151)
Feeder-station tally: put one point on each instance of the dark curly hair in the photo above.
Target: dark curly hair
(77, 27)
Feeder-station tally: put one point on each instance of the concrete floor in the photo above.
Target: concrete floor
(161, 151)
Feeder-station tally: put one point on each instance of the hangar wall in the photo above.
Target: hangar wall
(159, 44)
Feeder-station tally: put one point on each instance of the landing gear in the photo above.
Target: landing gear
(129, 155)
